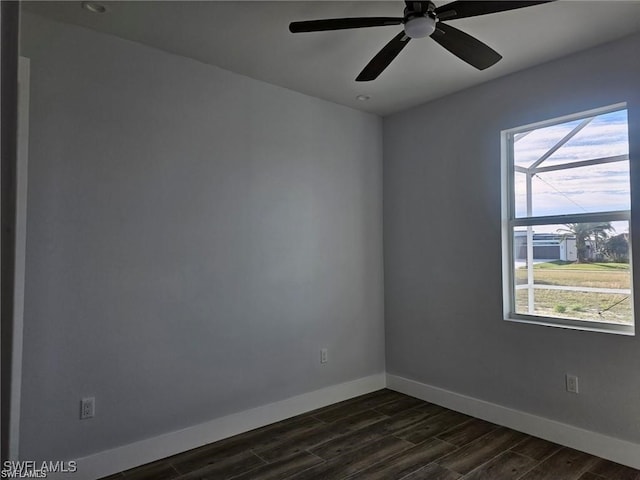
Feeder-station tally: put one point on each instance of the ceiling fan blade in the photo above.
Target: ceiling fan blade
(383, 58)
(465, 47)
(471, 8)
(342, 23)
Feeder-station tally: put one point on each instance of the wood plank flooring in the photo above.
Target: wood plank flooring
(383, 435)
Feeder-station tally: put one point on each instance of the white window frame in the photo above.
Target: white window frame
(509, 221)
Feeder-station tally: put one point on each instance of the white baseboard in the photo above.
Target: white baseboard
(614, 449)
(135, 454)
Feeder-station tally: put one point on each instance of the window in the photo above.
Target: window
(566, 222)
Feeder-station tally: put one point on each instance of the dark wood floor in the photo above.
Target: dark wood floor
(383, 435)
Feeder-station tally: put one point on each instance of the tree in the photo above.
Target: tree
(588, 235)
(617, 248)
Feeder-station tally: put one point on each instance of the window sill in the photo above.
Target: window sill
(585, 326)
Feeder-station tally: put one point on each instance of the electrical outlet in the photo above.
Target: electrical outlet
(87, 408)
(572, 383)
(324, 355)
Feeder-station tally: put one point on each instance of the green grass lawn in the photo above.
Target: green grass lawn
(575, 304)
(596, 266)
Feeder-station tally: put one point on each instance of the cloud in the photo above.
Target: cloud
(605, 136)
(593, 188)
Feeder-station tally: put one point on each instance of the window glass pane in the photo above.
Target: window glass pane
(530, 146)
(605, 136)
(557, 185)
(594, 188)
(577, 271)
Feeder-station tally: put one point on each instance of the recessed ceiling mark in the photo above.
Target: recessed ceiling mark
(94, 7)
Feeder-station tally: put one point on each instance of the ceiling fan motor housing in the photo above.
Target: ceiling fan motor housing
(420, 26)
(419, 19)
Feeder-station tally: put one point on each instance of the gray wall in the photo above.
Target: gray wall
(443, 293)
(194, 238)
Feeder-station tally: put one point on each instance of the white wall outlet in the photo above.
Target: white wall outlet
(324, 355)
(87, 408)
(572, 383)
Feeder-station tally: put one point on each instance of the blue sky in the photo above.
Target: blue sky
(576, 190)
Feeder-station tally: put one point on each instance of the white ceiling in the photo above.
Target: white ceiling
(252, 38)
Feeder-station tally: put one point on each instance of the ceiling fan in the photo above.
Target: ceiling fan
(422, 19)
